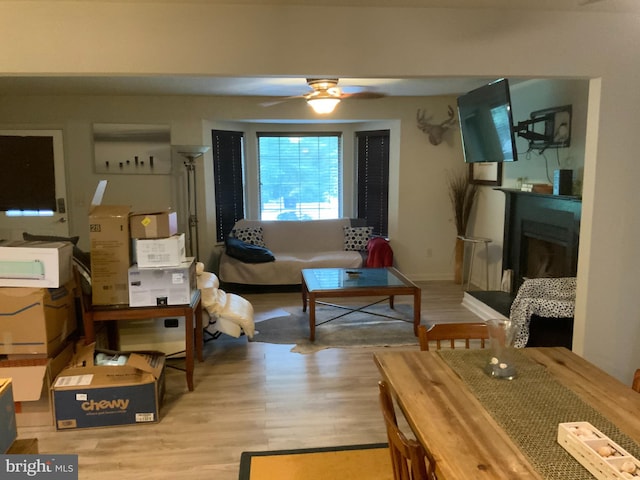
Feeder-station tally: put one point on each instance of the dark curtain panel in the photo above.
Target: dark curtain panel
(373, 179)
(227, 170)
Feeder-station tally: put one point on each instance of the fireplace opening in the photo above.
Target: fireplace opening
(544, 259)
(546, 249)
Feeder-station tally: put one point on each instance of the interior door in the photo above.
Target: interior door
(12, 227)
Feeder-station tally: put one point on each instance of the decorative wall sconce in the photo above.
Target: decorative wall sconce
(435, 130)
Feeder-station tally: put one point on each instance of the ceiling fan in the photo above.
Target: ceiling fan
(325, 94)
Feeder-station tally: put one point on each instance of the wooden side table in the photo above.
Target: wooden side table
(193, 341)
(475, 241)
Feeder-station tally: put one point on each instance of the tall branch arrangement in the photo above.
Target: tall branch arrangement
(462, 194)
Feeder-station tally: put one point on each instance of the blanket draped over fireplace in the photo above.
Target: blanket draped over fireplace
(545, 297)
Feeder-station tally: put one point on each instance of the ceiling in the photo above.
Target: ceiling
(293, 86)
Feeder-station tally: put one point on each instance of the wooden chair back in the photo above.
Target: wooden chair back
(408, 457)
(636, 381)
(451, 332)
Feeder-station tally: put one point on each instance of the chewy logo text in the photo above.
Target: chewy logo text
(94, 406)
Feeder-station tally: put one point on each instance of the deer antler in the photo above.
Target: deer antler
(435, 131)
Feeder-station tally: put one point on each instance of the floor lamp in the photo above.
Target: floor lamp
(191, 153)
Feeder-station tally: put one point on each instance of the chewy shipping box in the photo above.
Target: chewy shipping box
(35, 263)
(36, 320)
(110, 251)
(153, 225)
(32, 378)
(89, 396)
(8, 428)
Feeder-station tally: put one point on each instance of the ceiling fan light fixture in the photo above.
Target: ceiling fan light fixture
(323, 105)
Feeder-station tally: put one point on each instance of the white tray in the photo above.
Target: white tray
(590, 447)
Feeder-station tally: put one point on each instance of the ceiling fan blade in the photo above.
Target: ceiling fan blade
(279, 100)
(366, 95)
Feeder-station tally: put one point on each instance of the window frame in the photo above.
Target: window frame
(338, 135)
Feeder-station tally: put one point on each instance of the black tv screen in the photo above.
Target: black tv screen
(486, 124)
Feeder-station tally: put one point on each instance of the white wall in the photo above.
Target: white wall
(94, 37)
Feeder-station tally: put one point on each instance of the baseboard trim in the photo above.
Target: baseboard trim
(481, 309)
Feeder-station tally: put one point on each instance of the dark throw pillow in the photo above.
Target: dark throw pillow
(247, 252)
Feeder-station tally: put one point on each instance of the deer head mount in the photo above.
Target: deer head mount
(437, 130)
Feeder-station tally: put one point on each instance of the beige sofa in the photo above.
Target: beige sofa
(295, 245)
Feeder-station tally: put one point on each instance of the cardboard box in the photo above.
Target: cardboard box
(35, 263)
(153, 225)
(150, 287)
(8, 428)
(159, 252)
(110, 250)
(36, 320)
(90, 396)
(32, 377)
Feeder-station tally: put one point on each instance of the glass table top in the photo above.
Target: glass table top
(347, 278)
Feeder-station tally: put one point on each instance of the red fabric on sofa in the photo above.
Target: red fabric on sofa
(379, 254)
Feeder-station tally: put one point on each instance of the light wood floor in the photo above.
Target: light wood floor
(247, 397)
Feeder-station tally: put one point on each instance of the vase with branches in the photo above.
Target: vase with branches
(462, 194)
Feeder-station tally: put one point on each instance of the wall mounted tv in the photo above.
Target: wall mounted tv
(486, 124)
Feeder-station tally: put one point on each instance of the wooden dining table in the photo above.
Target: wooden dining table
(462, 416)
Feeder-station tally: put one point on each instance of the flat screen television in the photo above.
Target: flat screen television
(486, 124)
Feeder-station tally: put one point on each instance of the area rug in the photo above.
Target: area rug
(352, 462)
(358, 329)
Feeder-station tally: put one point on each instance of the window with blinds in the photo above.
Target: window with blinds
(373, 179)
(229, 186)
(300, 176)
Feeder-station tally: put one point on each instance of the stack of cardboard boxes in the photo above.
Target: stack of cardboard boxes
(37, 320)
(161, 273)
(137, 260)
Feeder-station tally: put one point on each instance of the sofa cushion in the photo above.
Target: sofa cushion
(247, 252)
(356, 238)
(300, 236)
(286, 269)
(252, 235)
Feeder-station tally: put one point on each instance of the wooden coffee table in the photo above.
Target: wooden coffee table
(356, 282)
